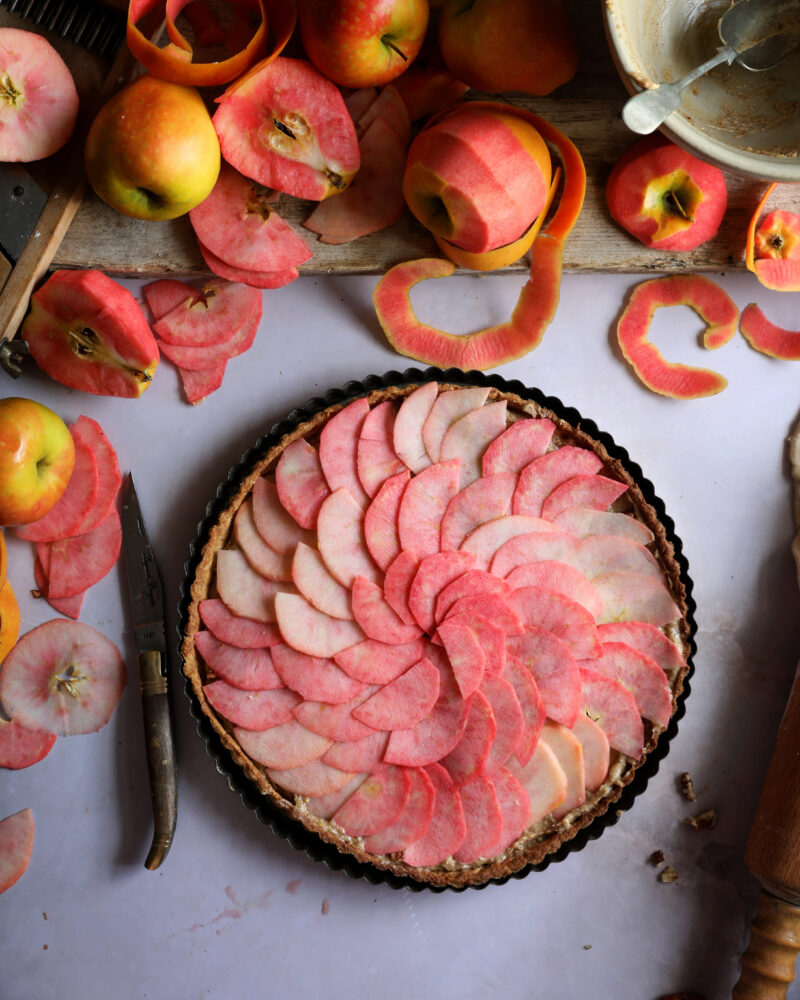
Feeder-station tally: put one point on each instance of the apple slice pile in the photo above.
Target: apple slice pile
(79, 539)
(200, 329)
(434, 628)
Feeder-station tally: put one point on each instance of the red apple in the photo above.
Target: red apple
(37, 454)
(359, 44)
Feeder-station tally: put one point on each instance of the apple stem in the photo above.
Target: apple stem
(390, 45)
(674, 205)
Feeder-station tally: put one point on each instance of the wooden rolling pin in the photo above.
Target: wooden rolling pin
(773, 848)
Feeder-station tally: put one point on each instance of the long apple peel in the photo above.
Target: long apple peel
(767, 337)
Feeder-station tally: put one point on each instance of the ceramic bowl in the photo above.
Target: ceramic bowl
(746, 121)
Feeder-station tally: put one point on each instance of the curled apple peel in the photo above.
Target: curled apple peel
(767, 337)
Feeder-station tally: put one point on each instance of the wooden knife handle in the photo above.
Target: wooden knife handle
(768, 964)
(161, 764)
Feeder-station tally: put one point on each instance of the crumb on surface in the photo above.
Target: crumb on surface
(656, 858)
(668, 874)
(704, 821)
(687, 787)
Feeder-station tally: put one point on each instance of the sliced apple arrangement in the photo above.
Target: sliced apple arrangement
(436, 631)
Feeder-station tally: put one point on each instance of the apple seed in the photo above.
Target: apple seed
(68, 680)
(86, 344)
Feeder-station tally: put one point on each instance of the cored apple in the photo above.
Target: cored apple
(778, 235)
(37, 455)
(772, 250)
(359, 44)
(38, 99)
(665, 197)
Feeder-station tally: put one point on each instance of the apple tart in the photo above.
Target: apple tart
(439, 627)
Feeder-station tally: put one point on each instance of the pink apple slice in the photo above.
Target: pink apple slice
(483, 818)
(613, 708)
(423, 505)
(449, 407)
(314, 678)
(470, 436)
(466, 656)
(376, 662)
(78, 563)
(64, 519)
(275, 525)
(243, 591)
(447, 827)
(219, 311)
(359, 100)
(247, 669)
(313, 632)
(484, 500)
(628, 596)
(490, 606)
(390, 107)
(468, 757)
(261, 557)
(559, 546)
(313, 778)
(532, 705)
(256, 710)
(560, 577)
(554, 669)
(434, 736)
(22, 746)
(69, 607)
(647, 639)
(403, 702)
(408, 424)
(108, 474)
(192, 358)
(488, 538)
(376, 460)
(596, 751)
(599, 554)
(376, 804)
(398, 582)
(257, 279)
(63, 677)
(515, 809)
(509, 718)
(312, 578)
(436, 573)
(543, 779)
(517, 446)
(358, 755)
(335, 722)
(491, 637)
(324, 806)
(301, 483)
(581, 522)
(376, 617)
(380, 521)
(163, 295)
(569, 753)
(235, 630)
(341, 540)
(642, 676)
(284, 746)
(199, 384)
(412, 822)
(565, 619)
(586, 490)
(541, 476)
(16, 847)
(468, 584)
(338, 449)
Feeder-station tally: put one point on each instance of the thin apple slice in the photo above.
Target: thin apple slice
(560, 546)
(599, 554)
(484, 500)
(317, 585)
(515, 809)
(560, 577)
(447, 828)
(313, 632)
(436, 573)
(335, 722)
(449, 407)
(491, 637)
(78, 563)
(338, 449)
(313, 778)
(376, 804)
(470, 583)
(257, 279)
(468, 757)
(376, 617)
(69, 607)
(596, 751)
(565, 619)
(630, 596)
(642, 676)
(284, 746)
(247, 669)
(357, 755)
(469, 437)
(397, 584)
(163, 295)
(491, 606)
(257, 710)
(554, 669)
(647, 639)
(325, 806)
(16, 847)
(380, 521)
(376, 662)
(262, 557)
(357, 101)
(414, 410)
(487, 539)
(376, 460)
(235, 630)
(275, 525)
(244, 592)
(423, 505)
(483, 818)
(199, 384)
(390, 107)
(434, 736)
(188, 357)
(594, 492)
(518, 445)
(22, 746)
(532, 705)
(569, 752)
(510, 721)
(541, 476)
(220, 310)
(582, 522)
(613, 708)
(63, 677)
(340, 536)
(314, 678)
(108, 474)
(412, 822)
(301, 483)
(543, 779)
(403, 702)
(466, 656)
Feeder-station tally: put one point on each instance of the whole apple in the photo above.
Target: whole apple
(362, 43)
(37, 455)
(152, 152)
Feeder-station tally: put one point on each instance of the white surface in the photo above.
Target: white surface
(235, 910)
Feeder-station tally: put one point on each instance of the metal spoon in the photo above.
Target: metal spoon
(758, 34)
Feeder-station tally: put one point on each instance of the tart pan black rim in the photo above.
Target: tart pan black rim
(271, 815)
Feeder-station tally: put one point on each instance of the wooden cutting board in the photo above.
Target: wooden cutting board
(587, 110)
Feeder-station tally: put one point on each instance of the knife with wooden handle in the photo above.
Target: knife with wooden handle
(773, 848)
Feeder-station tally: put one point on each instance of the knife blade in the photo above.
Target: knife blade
(147, 605)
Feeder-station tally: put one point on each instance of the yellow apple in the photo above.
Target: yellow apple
(152, 152)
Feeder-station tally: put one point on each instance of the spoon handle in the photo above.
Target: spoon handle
(649, 108)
